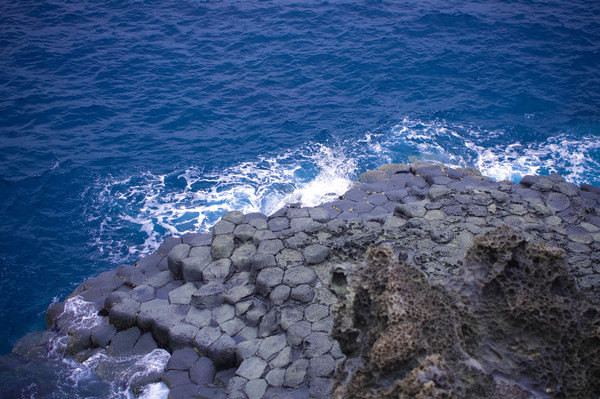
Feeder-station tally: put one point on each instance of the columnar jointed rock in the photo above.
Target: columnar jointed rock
(254, 294)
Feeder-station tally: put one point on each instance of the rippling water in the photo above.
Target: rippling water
(124, 122)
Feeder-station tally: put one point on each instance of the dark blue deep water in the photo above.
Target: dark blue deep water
(122, 122)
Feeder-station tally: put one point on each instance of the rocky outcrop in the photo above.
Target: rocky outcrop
(511, 324)
(254, 298)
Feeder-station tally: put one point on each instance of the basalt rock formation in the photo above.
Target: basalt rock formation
(454, 307)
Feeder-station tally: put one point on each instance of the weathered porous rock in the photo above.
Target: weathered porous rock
(419, 341)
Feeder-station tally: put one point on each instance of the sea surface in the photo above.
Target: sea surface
(123, 122)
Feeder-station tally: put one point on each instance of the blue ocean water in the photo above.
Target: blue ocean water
(125, 122)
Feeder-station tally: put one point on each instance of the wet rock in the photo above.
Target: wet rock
(182, 359)
(184, 390)
(174, 378)
(144, 345)
(123, 342)
(203, 371)
(123, 314)
(102, 335)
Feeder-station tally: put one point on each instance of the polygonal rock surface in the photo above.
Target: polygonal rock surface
(223, 227)
(205, 338)
(267, 279)
(255, 389)
(315, 253)
(222, 246)
(182, 359)
(275, 377)
(176, 256)
(321, 366)
(123, 314)
(222, 352)
(235, 217)
(210, 295)
(271, 345)
(192, 267)
(182, 335)
(217, 270)
(183, 294)
(143, 293)
(198, 317)
(299, 275)
(317, 343)
(303, 293)
(295, 373)
(251, 368)
(203, 371)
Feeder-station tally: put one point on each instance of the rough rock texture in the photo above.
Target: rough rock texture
(513, 311)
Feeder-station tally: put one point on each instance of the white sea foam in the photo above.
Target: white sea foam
(155, 391)
(119, 374)
(136, 213)
(193, 199)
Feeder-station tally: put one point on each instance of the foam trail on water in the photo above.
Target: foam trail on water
(117, 375)
(135, 213)
(193, 199)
